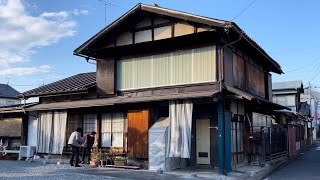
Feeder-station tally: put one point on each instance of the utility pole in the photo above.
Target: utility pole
(310, 131)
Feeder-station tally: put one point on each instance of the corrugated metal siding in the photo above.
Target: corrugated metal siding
(162, 71)
(181, 67)
(204, 64)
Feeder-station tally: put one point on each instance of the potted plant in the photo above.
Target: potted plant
(95, 159)
(111, 154)
(120, 161)
(108, 159)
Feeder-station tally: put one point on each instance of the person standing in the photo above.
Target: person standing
(87, 146)
(75, 141)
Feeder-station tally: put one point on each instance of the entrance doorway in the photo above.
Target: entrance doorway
(203, 141)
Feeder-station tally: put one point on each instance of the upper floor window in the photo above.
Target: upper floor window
(176, 68)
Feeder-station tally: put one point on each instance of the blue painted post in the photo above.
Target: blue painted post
(227, 142)
(221, 149)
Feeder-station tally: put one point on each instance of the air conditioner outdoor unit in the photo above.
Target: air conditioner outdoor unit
(27, 151)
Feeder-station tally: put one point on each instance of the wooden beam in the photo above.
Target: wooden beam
(153, 26)
(233, 97)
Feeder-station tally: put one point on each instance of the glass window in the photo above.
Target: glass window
(113, 130)
(89, 123)
(9, 103)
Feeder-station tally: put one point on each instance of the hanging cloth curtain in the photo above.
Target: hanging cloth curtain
(179, 136)
(44, 131)
(59, 132)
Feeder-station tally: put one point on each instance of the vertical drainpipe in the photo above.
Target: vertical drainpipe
(223, 136)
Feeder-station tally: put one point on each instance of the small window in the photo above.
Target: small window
(9, 103)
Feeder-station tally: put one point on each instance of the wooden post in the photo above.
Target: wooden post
(221, 149)
(227, 143)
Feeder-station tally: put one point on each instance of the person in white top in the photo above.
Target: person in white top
(75, 141)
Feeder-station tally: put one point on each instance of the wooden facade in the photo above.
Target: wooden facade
(151, 56)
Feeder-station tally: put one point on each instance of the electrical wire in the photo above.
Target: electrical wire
(243, 10)
(317, 73)
(318, 58)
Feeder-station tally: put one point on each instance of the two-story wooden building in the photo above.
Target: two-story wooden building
(206, 75)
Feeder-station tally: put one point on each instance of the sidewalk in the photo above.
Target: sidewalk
(258, 172)
(242, 173)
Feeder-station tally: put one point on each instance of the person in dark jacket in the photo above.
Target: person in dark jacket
(87, 146)
(75, 141)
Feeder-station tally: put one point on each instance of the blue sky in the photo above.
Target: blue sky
(38, 36)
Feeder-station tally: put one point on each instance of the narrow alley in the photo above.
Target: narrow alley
(305, 166)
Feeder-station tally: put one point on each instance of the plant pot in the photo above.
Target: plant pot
(120, 163)
(94, 163)
(103, 163)
(109, 162)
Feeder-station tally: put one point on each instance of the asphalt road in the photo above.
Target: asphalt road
(305, 166)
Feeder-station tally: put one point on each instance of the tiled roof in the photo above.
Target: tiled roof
(7, 91)
(76, 83)
(287, 85)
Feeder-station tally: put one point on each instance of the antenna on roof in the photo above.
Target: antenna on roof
(106, 2)
(8, 80)
(154, 4)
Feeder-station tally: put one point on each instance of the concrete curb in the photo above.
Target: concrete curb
(268, 170)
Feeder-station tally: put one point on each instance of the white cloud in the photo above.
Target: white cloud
(25, 70)
(57, 15)
(78, 12)
(21, 33)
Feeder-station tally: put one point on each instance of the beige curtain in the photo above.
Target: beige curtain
(44, 131)
(59, 132)
(179, 132)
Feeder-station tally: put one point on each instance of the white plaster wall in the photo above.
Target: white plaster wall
(32, 129)
(4, 101)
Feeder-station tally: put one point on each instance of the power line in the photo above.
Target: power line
(317, 73)
(243, 10)
(304, 66)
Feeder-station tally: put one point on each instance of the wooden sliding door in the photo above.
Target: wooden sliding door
(138, 125)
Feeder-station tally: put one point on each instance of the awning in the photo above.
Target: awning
(120, 100)
(286, 112)
(189, 95)
(17, 108)
(73, 104)
(255, 99)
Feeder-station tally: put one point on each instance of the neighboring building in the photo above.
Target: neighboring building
(289, 94)
(202, 80)
(313, 99)
(14, 126)
(8, 95)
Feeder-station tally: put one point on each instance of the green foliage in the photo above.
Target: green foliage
(119, 158)
(96, 156)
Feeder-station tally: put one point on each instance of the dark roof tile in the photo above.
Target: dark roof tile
(79, 82)
(7, 91)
